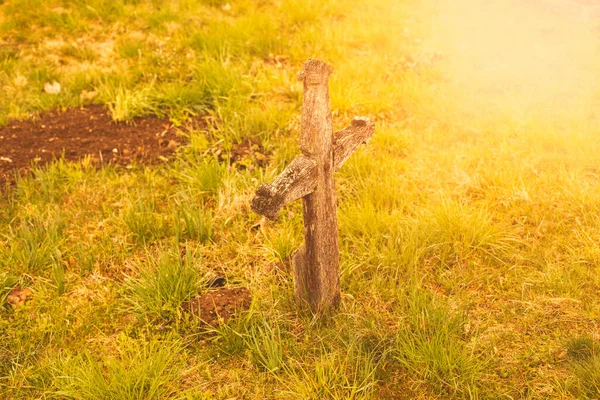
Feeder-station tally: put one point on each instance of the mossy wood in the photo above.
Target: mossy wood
(310, 177)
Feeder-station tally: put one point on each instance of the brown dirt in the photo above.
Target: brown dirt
(79, 132)
(219, 305)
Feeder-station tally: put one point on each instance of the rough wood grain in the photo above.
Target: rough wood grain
(316, 270)
(300, 179)
(346, 141)
(310, 176)
(296, 181)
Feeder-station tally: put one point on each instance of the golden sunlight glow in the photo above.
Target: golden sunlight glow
(527, 56)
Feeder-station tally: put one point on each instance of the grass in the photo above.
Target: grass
(264, 343)
(583, 354)
(469, 225)
(162, 283)
(139, 370)
(33, 245)
(334, 376)
(125, 104)
(7, 282)
(432, 348)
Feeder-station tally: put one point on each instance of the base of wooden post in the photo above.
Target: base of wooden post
(307, 286)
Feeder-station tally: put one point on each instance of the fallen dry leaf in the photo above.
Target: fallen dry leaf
(52, 88)
(17, 296)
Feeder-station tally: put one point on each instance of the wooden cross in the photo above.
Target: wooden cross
(310, 177)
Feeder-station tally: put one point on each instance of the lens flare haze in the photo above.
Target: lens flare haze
(526, 57)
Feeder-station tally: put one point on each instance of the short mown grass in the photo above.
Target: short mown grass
(469, 225)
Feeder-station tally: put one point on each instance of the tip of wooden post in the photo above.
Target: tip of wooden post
(264, 202)
(362, 121)
(315, 71)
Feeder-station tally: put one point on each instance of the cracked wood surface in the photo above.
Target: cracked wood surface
(346, 141)
(295, 182)
(299, 178)
(316, 271)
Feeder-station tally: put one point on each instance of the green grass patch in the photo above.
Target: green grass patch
(138, 370)
(584, 355)
(162, 282)
(431, 344)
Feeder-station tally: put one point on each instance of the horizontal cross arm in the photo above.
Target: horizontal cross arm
(298, 180)
(346, 141)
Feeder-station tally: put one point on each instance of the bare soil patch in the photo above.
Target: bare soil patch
(219, 305)
(80, 132)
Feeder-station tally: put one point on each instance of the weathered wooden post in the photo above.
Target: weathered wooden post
(310, 176)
